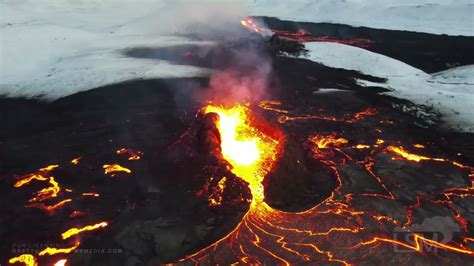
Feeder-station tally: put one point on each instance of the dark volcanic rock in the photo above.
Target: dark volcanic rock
(298, 182)
(183, 220)
(160, 212)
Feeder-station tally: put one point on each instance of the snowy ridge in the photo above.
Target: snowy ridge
(54, 48)
(57, 48)
(451, 92)
(452, 17)
(459, 75)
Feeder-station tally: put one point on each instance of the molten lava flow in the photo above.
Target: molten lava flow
(215, 199)
(269, 236)
(133, 155)
(323, 142)
(53, 251)
(91, 194)
(75, 231)
(49, 208)
(336, 231)
(418, 247)
(112, 169)
(418, 158)
(250, 152)
(27, 179)
(410, 156)
(41, 175)
(348, 119)
(362, 146)
(272, 106)
(47, 193)
(27, 259)
(43, 200)
(367, 112)
(302, 35)
(75, 161)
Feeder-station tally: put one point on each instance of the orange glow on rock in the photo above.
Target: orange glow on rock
(75, 214)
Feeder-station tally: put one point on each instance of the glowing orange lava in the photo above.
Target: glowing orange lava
(75, 231)
(323, 142)
(47, 193)
(27, 179)
(27, 259)
(49, 208)
(91, 194)
(250, 152)
(75, 161)
(41, 175)
(410, 156)
(112, 169)
(301, 35)
(215, 199)
(269, 236)
(336, 231)
(133, 155)
(53, 251)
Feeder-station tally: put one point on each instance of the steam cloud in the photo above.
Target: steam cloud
(247, 72)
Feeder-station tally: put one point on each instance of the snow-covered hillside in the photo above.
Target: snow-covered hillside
(452, 17)
(55, 48)
(450, 92)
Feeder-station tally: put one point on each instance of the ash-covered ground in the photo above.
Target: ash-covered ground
(355, 194)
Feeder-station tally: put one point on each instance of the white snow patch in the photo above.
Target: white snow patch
(452, 17)
(354, 58)
(328, 90)
(56, 48)
(459, 75)
(451, 93)
(366, 83)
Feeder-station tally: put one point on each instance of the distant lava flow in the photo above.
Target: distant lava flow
(56, 200)
(302, 35)
(344, 226)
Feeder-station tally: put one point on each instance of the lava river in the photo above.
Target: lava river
(334, 231)
(385, 188)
